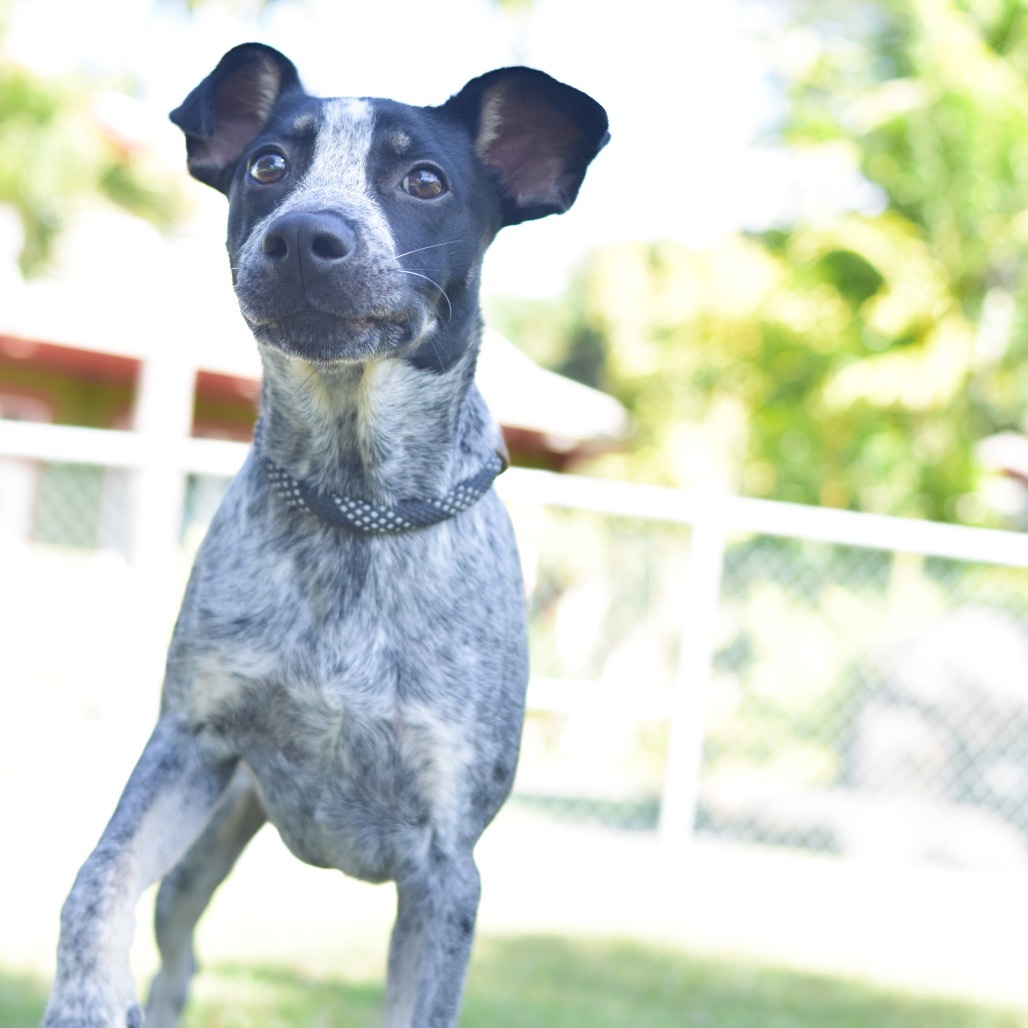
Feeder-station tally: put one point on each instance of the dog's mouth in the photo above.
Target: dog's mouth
(318, 337)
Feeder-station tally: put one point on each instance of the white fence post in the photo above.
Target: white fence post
(163, 417)
(695, 664)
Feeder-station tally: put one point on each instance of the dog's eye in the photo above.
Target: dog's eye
(424, 183)
(268, 167)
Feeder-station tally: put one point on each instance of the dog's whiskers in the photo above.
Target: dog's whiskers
(431, 342)
(431, 246)
(302, 387)
(417, 274)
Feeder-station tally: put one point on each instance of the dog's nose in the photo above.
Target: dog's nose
(313, 238)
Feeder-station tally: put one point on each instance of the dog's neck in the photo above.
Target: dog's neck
(380, 431)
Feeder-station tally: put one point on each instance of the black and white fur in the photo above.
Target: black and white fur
(363, 692)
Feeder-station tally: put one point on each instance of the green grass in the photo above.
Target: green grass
(544, 982)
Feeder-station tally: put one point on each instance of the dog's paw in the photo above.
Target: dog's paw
(64, 1014)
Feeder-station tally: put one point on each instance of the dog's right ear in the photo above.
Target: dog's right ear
(227, 111)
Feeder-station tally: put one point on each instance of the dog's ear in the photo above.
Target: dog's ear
(224, 114)
(535, 134)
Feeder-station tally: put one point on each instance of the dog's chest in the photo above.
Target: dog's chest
(348, 761)
(355, 689)
(355, 786)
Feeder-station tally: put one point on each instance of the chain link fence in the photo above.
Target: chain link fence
(871, 703)
(860, 701)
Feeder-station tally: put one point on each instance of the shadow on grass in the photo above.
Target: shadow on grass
(545, 982)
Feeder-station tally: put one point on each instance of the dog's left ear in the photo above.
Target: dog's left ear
(535, 134)
(231, 107)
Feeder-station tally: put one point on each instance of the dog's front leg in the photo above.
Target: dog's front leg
(187, 889)
(437, 903)
(165, 805)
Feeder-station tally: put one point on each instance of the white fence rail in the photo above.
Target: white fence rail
(735, 514)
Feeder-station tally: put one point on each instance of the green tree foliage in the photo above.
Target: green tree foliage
(59, 155)
(851, 359)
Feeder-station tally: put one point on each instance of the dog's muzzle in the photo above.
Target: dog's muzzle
(312, 287)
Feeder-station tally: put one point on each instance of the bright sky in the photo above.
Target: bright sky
(685, 88)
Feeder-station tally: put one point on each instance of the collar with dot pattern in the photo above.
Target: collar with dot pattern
(360, 516)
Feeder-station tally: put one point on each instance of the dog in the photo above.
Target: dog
(350, 658)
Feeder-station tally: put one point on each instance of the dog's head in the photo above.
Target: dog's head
(357, 227)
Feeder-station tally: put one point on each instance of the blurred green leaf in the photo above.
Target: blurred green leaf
(852, 360)
(60, 156)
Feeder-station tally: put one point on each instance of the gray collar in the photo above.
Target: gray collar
(359, 516)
